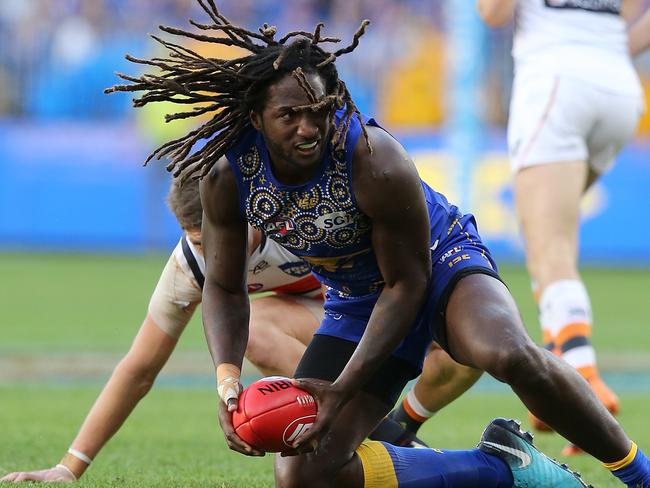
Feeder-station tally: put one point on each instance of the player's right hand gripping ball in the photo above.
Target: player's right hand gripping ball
(272, 413)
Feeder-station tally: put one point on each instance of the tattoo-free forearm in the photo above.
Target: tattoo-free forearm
(225, 323)
(391, 320)
(129, 383)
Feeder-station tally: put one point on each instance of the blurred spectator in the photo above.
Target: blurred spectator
(56, 57)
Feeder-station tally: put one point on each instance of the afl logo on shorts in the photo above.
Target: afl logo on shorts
(450, 253)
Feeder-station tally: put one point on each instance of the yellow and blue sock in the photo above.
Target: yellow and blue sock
(388, 466)
(633, 469)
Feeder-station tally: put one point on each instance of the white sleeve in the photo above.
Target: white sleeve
(175, 298)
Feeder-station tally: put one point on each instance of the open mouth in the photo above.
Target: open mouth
(307, 146)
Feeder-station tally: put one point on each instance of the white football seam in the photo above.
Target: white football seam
(293, 422)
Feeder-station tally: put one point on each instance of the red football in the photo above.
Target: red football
(272, 413)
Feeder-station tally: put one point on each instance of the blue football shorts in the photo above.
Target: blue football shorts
(459, 252)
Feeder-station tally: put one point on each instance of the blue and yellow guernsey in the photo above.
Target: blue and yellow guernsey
(319, 220)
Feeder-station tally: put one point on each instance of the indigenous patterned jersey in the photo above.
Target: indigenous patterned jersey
(319, 220)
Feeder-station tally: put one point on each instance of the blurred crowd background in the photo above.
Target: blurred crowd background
(57, 56)
(79, 150)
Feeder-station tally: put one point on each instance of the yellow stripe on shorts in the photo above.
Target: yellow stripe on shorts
(378, 471)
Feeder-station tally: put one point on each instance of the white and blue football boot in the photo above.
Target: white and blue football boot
(530, 467)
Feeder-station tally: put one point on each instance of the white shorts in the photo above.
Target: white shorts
(558, 119)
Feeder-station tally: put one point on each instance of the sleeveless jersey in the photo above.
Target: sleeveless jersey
(583, 39)
(270, 268)
(320, 220)
(179, 289)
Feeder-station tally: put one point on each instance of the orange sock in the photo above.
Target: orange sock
(565, 315)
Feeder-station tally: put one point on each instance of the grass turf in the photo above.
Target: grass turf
(54, 302)
(173, 439)
(81, 303)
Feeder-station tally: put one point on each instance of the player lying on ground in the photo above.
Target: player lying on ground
(288, 152)
(281, 326)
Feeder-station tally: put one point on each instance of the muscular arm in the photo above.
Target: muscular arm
(174, 300)
(225, 297)
(400, 238)
(496, 13)
(130, 381)
(639, 35)
(170, 309)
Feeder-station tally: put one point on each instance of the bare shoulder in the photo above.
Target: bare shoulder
(219, 193)
(220, 174)
(387, 152)
(389, 170)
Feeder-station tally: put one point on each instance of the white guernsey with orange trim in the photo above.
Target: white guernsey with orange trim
(271, 268)
(576, 94)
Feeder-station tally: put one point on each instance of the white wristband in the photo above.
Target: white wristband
(80, 455)
(65, 468)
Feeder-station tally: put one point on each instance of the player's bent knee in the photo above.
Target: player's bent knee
(521, 361)
(466, 375)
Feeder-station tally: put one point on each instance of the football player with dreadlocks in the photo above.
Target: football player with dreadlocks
(288, 152)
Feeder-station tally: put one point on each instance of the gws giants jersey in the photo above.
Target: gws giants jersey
(270, 268)
(583, 39)
(319, 220)
(178, 292)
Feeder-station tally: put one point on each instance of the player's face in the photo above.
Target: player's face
(296, 140)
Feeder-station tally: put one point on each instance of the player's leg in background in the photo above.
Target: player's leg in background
(441, 382)
(280, 329)
(547, 199)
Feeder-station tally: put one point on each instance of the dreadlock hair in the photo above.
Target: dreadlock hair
(232, 88)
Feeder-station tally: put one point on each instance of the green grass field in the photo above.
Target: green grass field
(71, 304)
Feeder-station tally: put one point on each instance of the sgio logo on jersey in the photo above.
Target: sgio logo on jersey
(334, 220)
